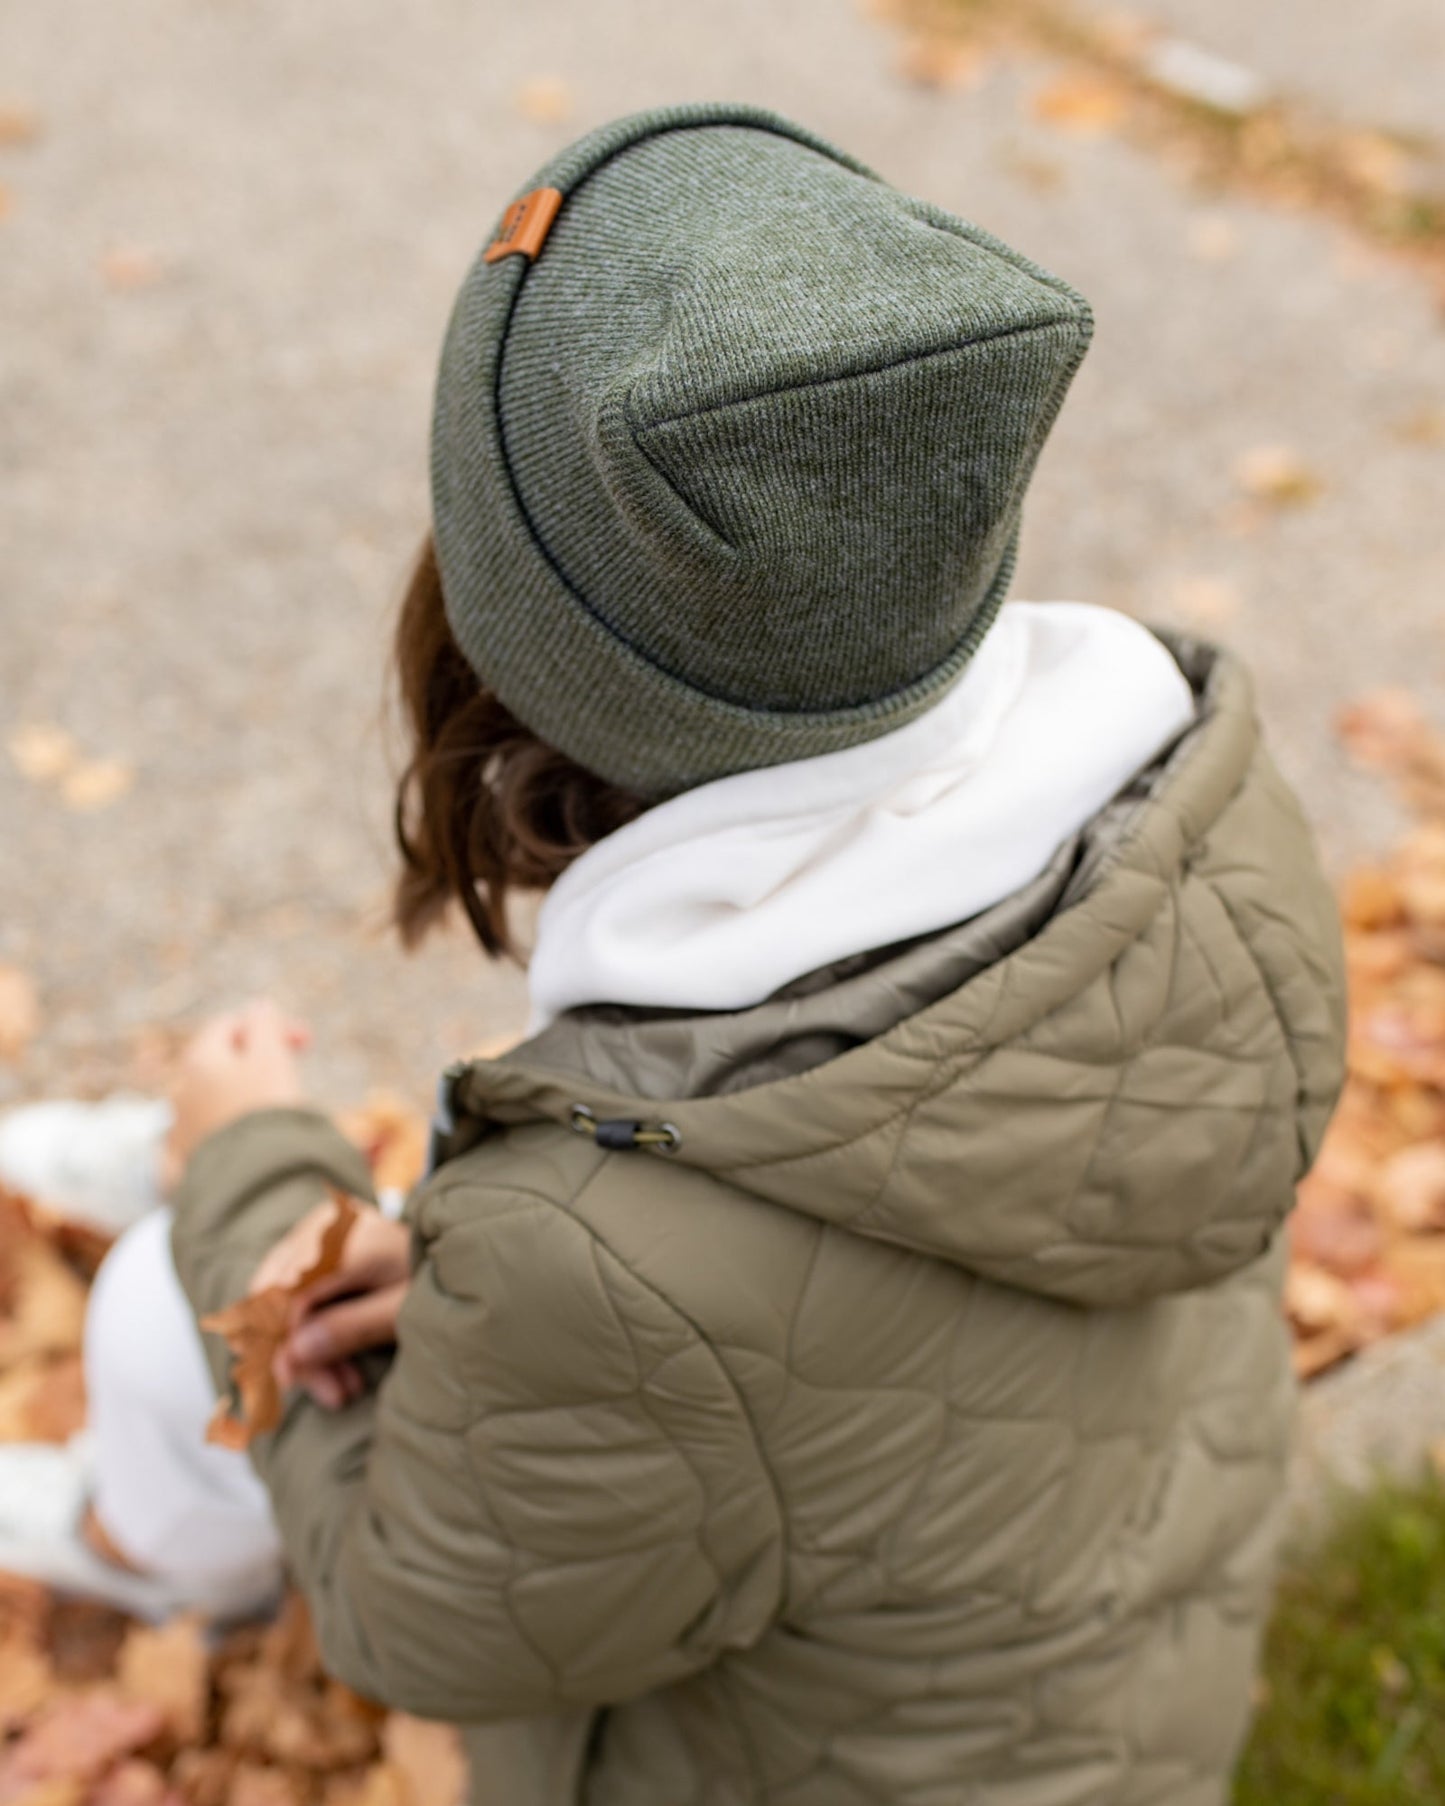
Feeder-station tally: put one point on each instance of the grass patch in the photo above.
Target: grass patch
(1354, 1705)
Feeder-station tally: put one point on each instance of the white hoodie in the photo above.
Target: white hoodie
(715, 898)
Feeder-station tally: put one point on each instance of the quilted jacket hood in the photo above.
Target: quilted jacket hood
(1102, 1089)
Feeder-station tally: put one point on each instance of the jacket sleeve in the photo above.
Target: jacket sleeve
(554, 1498)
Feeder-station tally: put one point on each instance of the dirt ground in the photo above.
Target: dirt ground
(229, 236)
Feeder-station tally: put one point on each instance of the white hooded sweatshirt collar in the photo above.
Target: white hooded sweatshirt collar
(715, 898)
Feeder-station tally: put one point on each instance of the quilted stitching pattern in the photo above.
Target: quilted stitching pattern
(915, 1435)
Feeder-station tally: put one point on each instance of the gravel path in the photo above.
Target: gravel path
(228, 254)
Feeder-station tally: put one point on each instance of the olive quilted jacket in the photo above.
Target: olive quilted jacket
(904, 1425)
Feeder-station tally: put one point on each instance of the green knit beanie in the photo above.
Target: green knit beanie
(730, 444)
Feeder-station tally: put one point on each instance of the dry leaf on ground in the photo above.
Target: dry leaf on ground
(1410, 1188)
(96, 784)
(77, 1737)
(19, 1012)
(1208, 602)
(1421, 426)
(18, 125)
(47, 1313)
(25, 1680)
(545, 99)
(941, 63)
(126, 268)
(1278, 476)
(41, 752)
(1087, 104)
(256, 1327)
(168, 1668)
(1213, 239)
(253, 1785)
(42, 1399)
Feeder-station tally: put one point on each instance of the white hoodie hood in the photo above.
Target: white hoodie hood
(715, 898)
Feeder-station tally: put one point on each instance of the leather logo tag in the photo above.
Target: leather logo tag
(525, 225)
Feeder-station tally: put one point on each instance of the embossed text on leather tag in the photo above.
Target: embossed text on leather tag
(525, 225)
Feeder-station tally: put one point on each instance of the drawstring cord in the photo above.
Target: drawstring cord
(622, 1133)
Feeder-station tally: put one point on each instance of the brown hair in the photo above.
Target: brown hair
(483, 806)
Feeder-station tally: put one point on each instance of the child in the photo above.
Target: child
(838, 1355)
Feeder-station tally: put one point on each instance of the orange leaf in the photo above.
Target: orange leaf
(252, 1785)
(134, 1783)
(19, 1012)
(18, 125)
(545, 99)
(42, 1400)
(1371, 899)
(168, 1668)
(1410, 1189)
(1087, 104)
(255, 1327)
(940, 63)
(48, 1312)
(1278, 475)
(77, 1738)
(26, 1681)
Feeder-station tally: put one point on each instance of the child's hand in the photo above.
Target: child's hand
(351, 1310)
(245, 1060)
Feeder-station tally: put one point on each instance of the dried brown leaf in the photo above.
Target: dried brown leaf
(19, 1012)
(95, 784)
(134, 1783)
(1090, 105)
(169, 1667)
(83, 1640)
(255, 1327)
(288, 1644)
(78, 1737)
(26, 1680)
(24, 1608)
(254, 1785)
(41, 752)
(47, 1315)
(19, 125)
(1317, 1300)
(1278, 476)
(1410, 1189)
(42, 1399)
(1213, 239)
(941, 63)
(66, 1792)
(1341, 1239)
(1371, 899)
(1421, 426)
(126, 268)
(203, 1776)
(1208, 602)
(545, 99)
